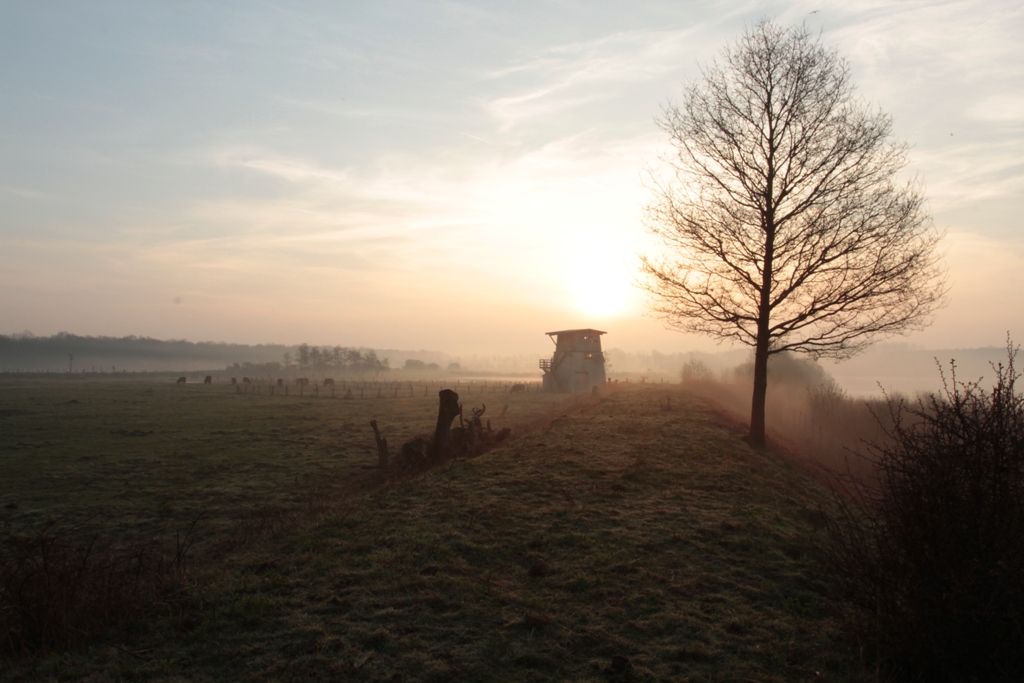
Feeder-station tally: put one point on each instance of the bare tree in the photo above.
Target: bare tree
(785, 224)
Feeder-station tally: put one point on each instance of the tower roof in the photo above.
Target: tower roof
(584, 331)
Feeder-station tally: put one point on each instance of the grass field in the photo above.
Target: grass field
(630, 537)
(139, 455)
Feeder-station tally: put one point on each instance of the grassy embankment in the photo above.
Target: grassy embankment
(630, 538)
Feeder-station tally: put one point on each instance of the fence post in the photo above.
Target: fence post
(382, 447)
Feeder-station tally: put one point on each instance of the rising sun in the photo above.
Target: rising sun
(600, 283)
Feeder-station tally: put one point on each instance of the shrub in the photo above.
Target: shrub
(929, 556)
(696, 371)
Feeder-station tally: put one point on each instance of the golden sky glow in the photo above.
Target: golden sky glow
(451, 176)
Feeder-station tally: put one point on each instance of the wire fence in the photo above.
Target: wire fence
(356, 389)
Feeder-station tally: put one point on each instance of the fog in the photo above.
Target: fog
(886, 367)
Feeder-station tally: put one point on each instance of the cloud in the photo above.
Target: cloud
(279, 166)
(27, 193)
(950, 73)
(959, 175)
(943, 55)
(1000, 108)
(577, 74)
(508, 218)
(376, 113)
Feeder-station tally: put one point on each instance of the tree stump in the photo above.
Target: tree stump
(447, 410)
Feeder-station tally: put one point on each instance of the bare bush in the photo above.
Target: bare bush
(930, 555)
(696, 371)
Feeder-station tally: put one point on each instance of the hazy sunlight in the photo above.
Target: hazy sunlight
(599, 281)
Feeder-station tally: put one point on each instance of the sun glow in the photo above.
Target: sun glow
(600, 281)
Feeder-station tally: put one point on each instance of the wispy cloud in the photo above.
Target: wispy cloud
(377, 113)
(279, 166)
(573, 75)
(1000, 108)
(905, 46)
(950, 73)
(417, 214)
(959, 175)
(27, 193)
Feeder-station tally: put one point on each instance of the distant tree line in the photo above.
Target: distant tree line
(26, 351)
(336, 359)
(37, 348)
(248, 369)
(65, 351)
(422, 366)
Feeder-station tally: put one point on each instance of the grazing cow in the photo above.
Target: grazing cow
(302, 381)
(234, 380)
(516, 388)
(208, 379)
(328, 382)
(280, 382)
(246, 380)
(182, 380)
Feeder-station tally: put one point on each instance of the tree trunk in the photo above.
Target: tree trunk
(762, 344)
(757, 403)
(764, 309)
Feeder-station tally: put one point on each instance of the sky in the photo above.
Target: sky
(453, 176)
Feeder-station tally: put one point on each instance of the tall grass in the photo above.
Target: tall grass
(60, 591)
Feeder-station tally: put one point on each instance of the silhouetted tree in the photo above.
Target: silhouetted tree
(353, 359)
(374, 365)
(786, 227)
